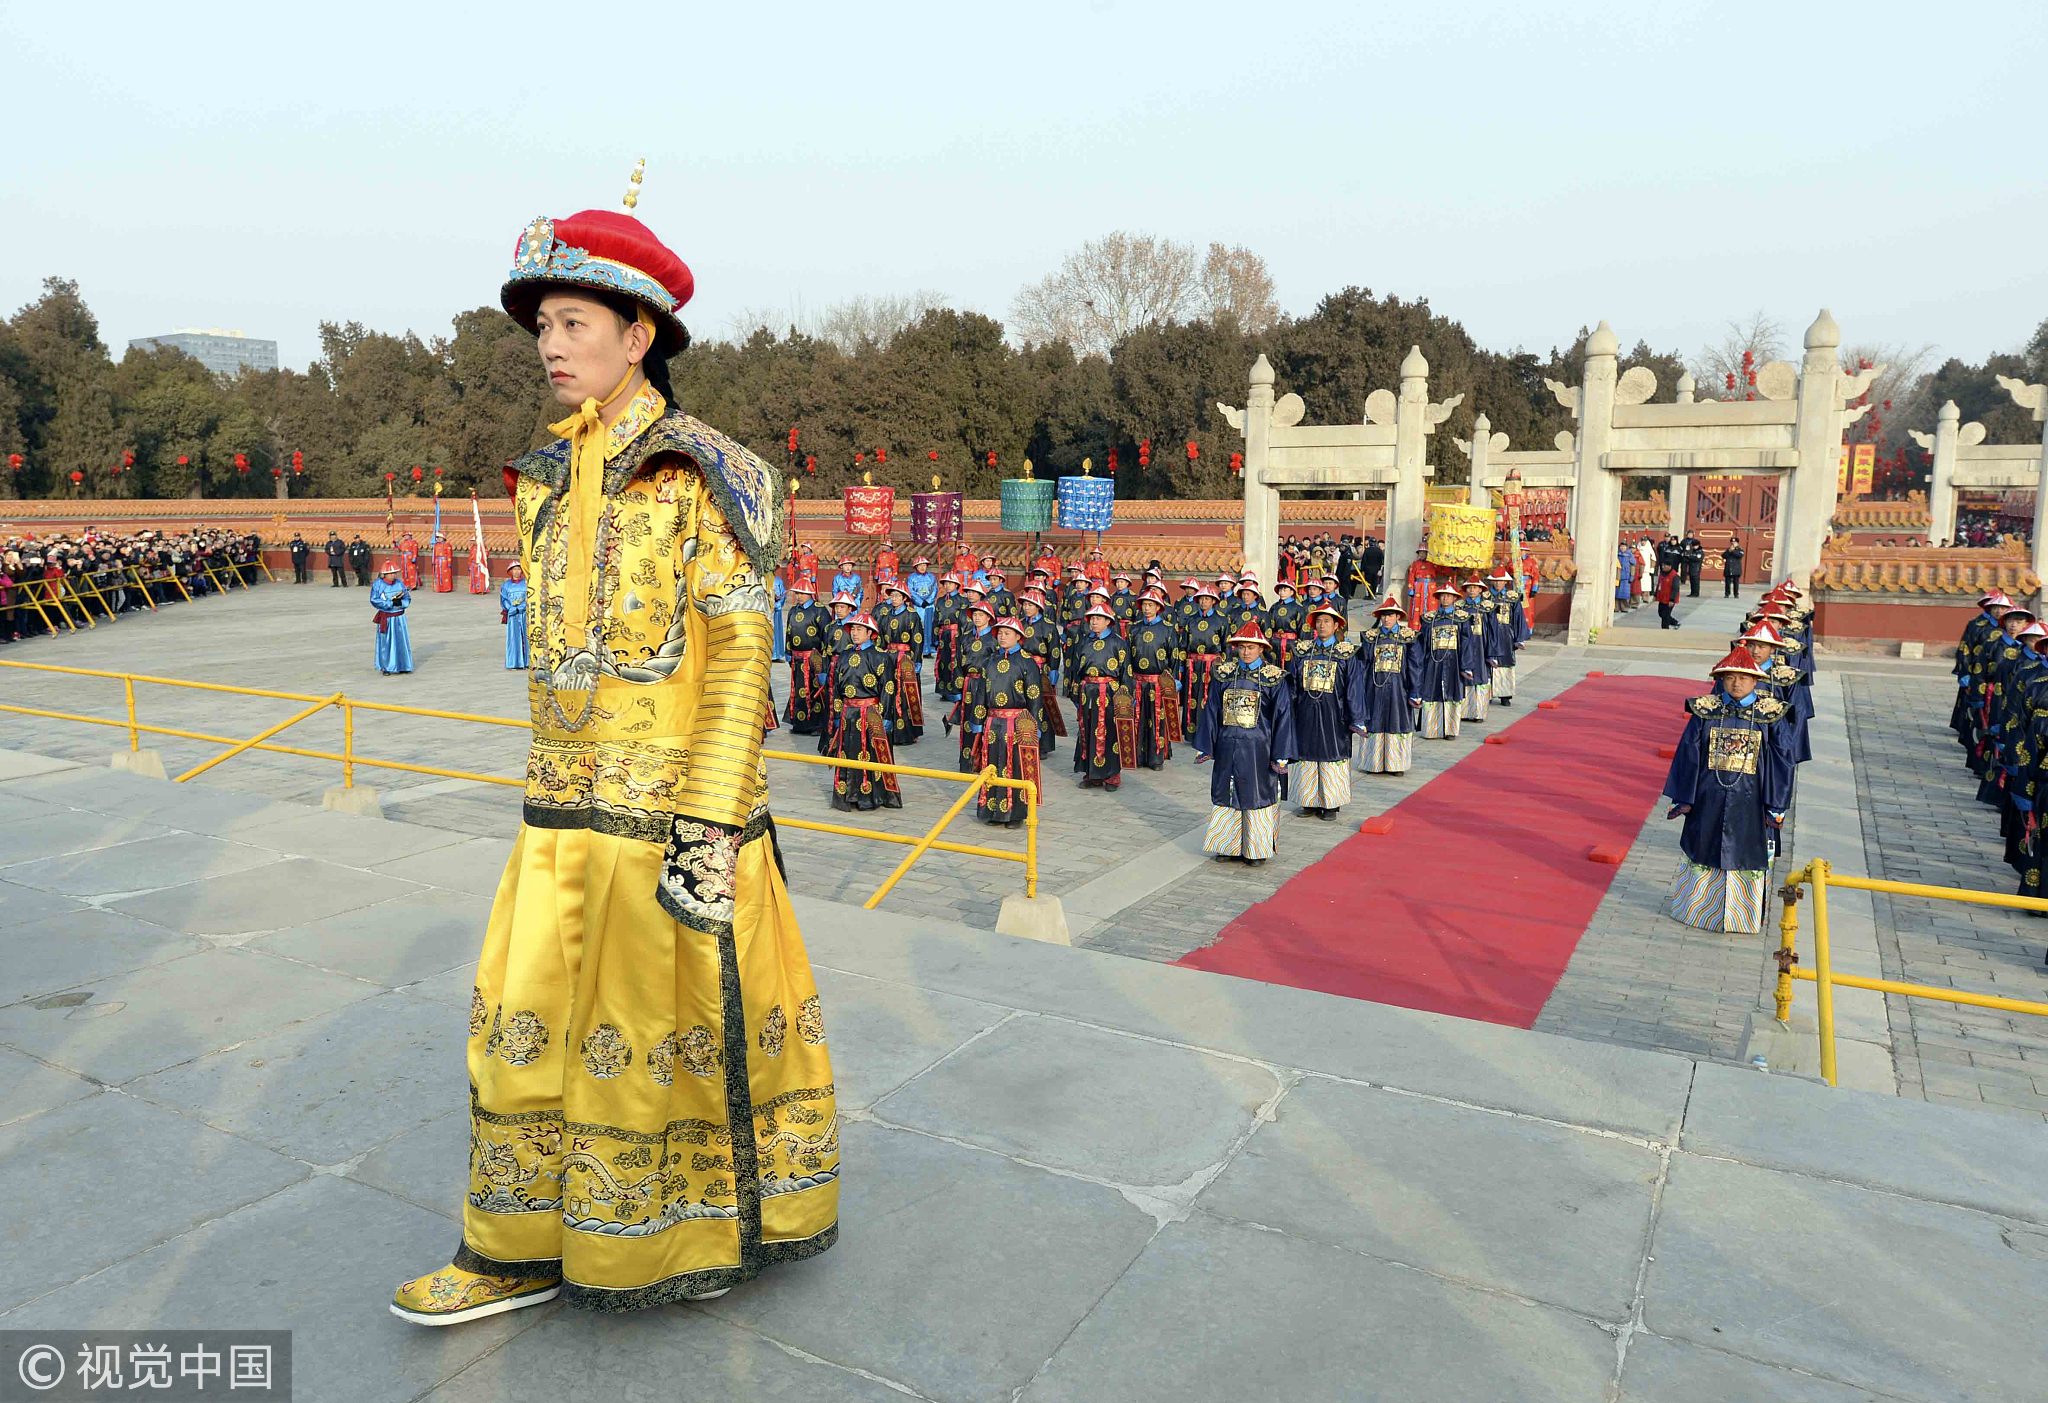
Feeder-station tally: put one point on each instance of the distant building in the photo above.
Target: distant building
(222, 352)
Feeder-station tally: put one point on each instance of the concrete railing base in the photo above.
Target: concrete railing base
(359, 800)
(1034, 918)
(147, 763)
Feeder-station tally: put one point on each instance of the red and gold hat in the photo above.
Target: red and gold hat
(1251, 633)
(1739, 660)
(1333, 611)
(604, 251)
(1392, 606)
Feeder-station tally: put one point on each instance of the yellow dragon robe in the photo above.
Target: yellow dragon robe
(651, 1101)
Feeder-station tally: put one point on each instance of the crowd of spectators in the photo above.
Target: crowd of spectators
(51, 583)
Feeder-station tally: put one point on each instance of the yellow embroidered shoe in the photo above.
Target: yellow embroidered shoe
(452, 1295)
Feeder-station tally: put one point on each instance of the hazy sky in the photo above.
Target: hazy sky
(1527, 168)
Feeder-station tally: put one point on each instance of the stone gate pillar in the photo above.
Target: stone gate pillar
(1405, 501)
(2034, 399)
(1481, 432)
(1806, 502)
(1596, 492)
(1261, 503)
(1941, 491)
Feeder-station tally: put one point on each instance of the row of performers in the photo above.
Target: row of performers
(1731, 776)
(1138, 690)
(1233, 597)
(2001, 718)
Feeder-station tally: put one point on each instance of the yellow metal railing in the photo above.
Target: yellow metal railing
(1820, 877)
(348, 758)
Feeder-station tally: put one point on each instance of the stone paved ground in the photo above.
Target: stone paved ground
(1924, 823)
(1128, 867)
(231, 1096)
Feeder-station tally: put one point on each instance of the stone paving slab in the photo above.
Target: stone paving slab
(148, 864)
(1406, 1178)
(1944, 1155)
(288, 890)
(30, 830)
(63, 951)
(1310, 1323)
(1877, 1290)
(399, 941)
(315, 1259)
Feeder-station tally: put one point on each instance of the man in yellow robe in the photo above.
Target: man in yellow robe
(651, 1100)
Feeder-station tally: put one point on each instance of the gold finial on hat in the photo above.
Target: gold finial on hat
(633, 190)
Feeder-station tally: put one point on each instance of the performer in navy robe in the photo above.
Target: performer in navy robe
(1247, 727)
(2002, 656)
(949, 621)
(512, 614)
(1202, 646)
(1507, 629)
(1440, 682)
(1781, 680)
(389, 598)
(1390, 654)
(1327, 682)
(1472, 650)
(1731, 780)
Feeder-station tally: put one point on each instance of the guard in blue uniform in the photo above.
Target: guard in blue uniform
(1507, 629)
(1731, 780)
(1440, 685)
(924, 597)
(1247, 727)
(1327, 682)
(1390, 653)
(849, 583)
(389, 598)
(1472, 651)
(512, 614)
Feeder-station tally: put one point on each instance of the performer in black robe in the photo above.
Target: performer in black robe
(1002, 710)
(803, 626)
(1247, 727)
(863, 682)
(902, 634)
(1982, 626)
(1203, 643)
(1155, 680)
(1731, 780)
(1104, 738)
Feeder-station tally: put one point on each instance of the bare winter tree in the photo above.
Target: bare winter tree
(1235, 284)
(1903, 377)
(1107, 289)
(1759, 334)
(872, 321)
(849, 325)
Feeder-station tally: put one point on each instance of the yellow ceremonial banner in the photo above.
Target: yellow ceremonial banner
(1461, 536)
(1842, 472)
(1865, 467)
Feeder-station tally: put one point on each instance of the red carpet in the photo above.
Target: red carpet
(1473, 903)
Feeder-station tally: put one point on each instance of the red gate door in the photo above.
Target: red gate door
(1730, 509)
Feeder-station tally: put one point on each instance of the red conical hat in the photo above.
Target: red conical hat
(1251, 633)
(1333, 611)
(1392, 606)
(1739, 660)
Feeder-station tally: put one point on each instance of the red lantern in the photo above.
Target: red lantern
(183, 461)
(1237, 462)
(77, 477)
(1194, 450)
(241, 462)
(298, 462)
(1112, 462)
(991, 457)
(860, 457)
(416, 473)
(277, 472)
(390, 477)
(437, 472)
(128, 458)
(14, 462)
(881, 455)
(792, 440)
(810, 464)
(1144, 452)
(933, 455)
